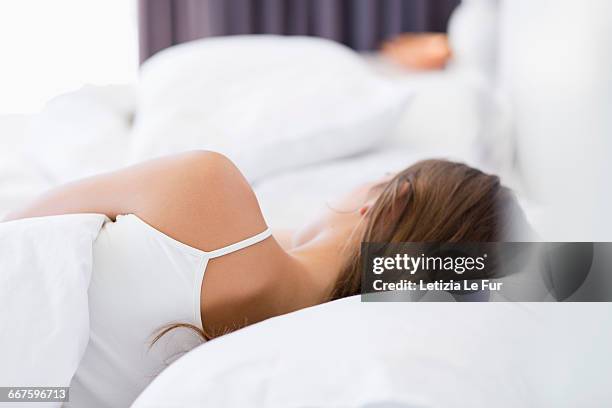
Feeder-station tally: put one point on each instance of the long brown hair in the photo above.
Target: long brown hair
(430, 201)
(433, 201)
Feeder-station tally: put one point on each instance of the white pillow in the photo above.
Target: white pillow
(20, 182)
(81, 133)
(268, 102)
(356, 355)
(45, 268)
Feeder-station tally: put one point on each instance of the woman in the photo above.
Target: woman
(189, 247)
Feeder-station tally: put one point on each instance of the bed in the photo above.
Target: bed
(345, 353)
(99, 126)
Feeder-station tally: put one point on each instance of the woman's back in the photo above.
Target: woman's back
(142, 280)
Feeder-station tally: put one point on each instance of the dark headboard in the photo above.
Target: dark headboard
(360, 24)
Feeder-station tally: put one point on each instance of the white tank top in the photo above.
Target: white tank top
(142, 280)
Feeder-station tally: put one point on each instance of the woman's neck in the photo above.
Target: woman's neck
(314, 268)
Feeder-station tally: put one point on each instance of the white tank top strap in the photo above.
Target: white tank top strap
(239, 245)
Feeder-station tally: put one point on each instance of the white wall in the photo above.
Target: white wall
(48, 47)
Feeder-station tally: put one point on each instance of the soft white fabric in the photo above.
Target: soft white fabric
(81, 133)
(142, 281)
(268, 102)
(45, 268)
(454, 112)
(19, 179)
(444, 115)
(361, 355)
(77, 134)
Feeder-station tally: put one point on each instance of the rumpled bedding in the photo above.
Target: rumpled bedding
(45, 268)
(45, 263)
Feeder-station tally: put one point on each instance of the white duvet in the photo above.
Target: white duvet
(45, 268)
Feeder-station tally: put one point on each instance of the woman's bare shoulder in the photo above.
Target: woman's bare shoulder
(203, 200)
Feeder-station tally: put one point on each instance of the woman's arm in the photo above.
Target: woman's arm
(129, 190)
(177, 194)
